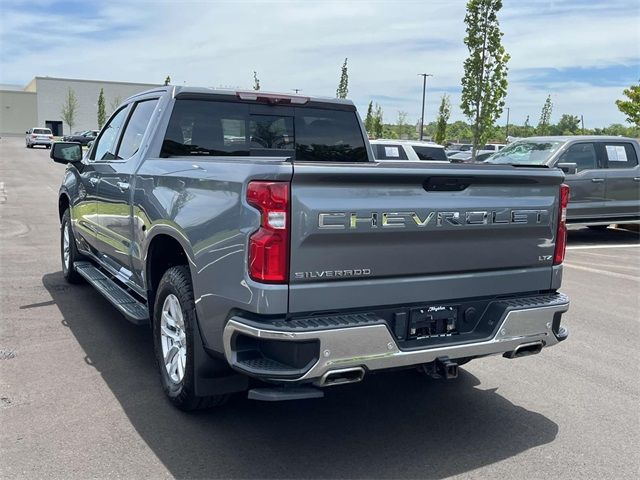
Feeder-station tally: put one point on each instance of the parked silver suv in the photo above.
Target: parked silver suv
(38, 136)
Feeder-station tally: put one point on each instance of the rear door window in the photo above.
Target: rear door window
(583, 155)
(203, 127)
(620, 155)
(389, 152)
(430, 153)
(136, 126)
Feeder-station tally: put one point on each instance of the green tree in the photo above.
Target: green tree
(631, 107)
(343, 85)
(567, 125)
(115, 103)
(69, 109)
(545, 117)
(444, 112)
(167, 80)
(102, 112)
(368, 121)
(402, 127)
(484, 85)
(256, 81)
(526, 127)
(378, 127)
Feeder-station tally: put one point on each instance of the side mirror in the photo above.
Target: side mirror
(90, 144)
(27, 132)
(568, 168)
(66, 152)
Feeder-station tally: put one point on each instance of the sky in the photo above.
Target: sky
(581, 52)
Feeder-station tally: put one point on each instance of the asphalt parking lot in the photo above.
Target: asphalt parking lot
(80, 397)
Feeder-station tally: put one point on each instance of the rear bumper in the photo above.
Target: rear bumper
(373, 347)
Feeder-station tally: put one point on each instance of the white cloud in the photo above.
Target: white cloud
(295, 44)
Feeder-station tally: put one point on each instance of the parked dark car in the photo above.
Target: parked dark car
(603, 174)
(82, 138)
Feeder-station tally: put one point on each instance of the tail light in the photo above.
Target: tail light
(561, 236)
(269, 246)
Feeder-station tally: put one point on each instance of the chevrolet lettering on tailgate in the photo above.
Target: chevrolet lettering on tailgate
(353, 220)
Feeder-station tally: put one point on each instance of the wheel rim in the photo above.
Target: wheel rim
(65, 247)
(173, 338)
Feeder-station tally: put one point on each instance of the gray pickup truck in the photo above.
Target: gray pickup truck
(602, 172)
(272, 254)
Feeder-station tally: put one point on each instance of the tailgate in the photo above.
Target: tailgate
(380, 234)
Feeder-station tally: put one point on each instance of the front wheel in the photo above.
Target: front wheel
(174, 319)
(68, 251)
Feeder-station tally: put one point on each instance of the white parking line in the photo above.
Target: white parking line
(604, 272)
(586, 247)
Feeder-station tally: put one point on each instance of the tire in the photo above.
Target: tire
(174, 320)
(598, 228)
(69, 246)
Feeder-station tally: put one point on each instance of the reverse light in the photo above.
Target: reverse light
(269, 246)
(561, 235)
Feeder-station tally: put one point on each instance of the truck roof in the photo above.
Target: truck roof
(181, 90)
(567, 138)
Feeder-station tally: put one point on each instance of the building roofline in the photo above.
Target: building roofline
(95, 81)
(4, 90)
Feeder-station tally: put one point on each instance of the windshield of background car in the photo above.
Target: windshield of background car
(526, 152)
(42, 131)
(215, 128)
(430, 153)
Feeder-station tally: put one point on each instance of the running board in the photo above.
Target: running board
(133, 310)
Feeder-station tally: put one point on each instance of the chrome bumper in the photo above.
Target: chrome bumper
(374, 347)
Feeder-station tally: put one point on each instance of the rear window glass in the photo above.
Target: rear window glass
(42, 131)
(328, 136)
(389, 152)
(202, 127)
(430, 153)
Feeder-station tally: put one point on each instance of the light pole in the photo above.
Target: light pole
(424, 95)
(507, 132)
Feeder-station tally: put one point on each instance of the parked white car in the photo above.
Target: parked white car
(408, 150)
(494, 147)
(39, 136)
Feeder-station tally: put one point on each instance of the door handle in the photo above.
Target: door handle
(123, 186)
(597, 180)
(94, 181)
(636, 179)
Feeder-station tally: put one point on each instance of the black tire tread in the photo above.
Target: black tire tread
(70, 275)
(178, 280)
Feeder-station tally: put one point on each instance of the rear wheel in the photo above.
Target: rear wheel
(174, 320)
(68, 251)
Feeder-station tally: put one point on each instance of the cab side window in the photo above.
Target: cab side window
(583, 155)
(135, 128)
(105, 147)
(389, 152)
(620, 155)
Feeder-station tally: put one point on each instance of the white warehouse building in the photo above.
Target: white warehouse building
(40, 103)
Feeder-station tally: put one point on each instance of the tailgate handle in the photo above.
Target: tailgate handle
(445, 184)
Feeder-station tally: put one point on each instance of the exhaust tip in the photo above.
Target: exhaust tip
(525, 349)
(341, 377)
